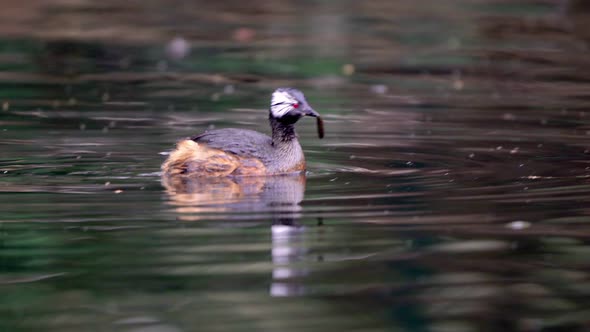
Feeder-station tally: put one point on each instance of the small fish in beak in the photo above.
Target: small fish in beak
(319, 122)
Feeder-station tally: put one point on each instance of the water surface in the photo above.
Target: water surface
(450, 193)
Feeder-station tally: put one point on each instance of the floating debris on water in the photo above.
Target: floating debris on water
(508, 117)
(229, 89)
(244, 35)
(178, 48)
(379, 89)
(518, 225)
(348, 69)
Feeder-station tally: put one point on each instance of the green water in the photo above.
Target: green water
(451, 192)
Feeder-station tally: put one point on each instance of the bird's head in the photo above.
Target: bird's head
(288, 105)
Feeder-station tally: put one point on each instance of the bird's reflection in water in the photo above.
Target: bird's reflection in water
(275, 197)
(287, 249)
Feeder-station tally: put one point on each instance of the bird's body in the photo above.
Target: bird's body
(242, 152)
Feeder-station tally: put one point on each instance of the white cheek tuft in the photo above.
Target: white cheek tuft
(281, 103)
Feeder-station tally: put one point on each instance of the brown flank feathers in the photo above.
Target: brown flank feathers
(192, 158)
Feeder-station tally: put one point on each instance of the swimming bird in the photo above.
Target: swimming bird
(243, 152)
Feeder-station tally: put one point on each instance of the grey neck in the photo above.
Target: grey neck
(287, 154)
(282, 133)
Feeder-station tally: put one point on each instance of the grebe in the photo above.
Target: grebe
(242, 152)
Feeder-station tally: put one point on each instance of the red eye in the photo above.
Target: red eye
(296, 105)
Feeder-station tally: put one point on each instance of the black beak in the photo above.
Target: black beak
(308, 111)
